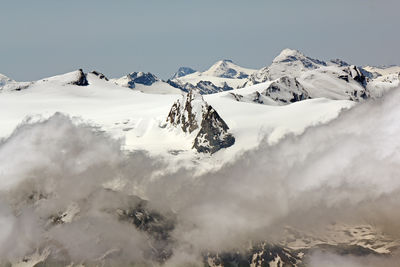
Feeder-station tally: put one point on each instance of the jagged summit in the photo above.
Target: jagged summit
(193, 115)
(186, 113)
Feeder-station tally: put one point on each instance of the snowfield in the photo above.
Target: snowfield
(139, 119)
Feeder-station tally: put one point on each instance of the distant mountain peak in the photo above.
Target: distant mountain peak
(227, 69)
(137, 77)
(290, 55)
(183, 71)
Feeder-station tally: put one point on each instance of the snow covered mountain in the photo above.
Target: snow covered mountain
(224, 75)
(334, 79)
(146, 82)
(288, 63)
(77, 78)
(227, 69)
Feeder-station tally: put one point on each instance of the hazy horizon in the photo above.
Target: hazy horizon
(49, 38)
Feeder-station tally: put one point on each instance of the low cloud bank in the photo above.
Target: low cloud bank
(342, 172)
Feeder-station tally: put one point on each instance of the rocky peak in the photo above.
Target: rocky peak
(142, 78)
(213, 134)
(186, 114)
(193, 115)
(182, 71)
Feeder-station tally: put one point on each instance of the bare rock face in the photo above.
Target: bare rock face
(286, 90)
(141, 78)
(186, 114)
(194, 116)
(100, 75)
(213, 134)
(356, 74)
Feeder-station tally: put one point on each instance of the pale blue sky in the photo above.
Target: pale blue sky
(46, 37)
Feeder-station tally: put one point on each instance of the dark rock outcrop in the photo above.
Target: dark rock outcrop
(286, 90)
(80, 79)
(100, 75)
(213, 134)
(203, 87)
(356, 74)
(142, 78)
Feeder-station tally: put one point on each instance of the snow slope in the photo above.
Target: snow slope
(139, 119)
(383, 70)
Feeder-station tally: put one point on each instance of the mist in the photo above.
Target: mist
(343, 172)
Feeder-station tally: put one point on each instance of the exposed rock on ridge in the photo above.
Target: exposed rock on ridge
(80, 79)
